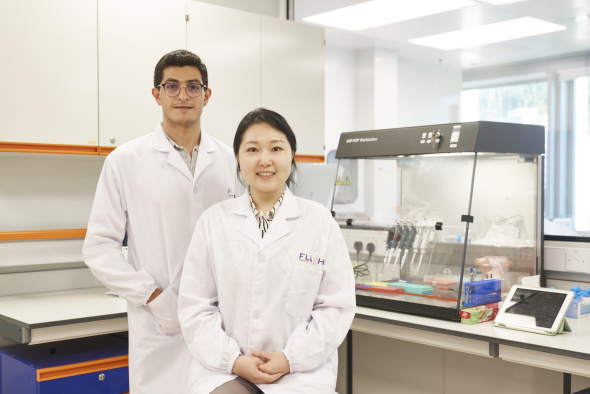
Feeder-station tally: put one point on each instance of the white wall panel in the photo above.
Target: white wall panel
(45, 192)
(340, 95)
(428, 93)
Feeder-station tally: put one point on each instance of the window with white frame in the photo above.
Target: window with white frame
(560, 102)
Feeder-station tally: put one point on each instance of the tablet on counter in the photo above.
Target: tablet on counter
(535, 309)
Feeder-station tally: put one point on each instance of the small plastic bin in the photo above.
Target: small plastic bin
(445, 286)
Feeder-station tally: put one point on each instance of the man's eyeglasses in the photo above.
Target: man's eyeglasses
(192, 89)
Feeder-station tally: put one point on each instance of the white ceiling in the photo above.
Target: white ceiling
(575, 39)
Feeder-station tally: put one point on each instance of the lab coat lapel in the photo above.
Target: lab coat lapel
(205, 157)
(245, 222)
(173, 158)
(283, 222)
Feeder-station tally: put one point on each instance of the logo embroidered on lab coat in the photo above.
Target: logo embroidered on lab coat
(312, 260)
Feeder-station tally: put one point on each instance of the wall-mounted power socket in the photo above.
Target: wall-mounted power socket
(377, 238)
(577, 260)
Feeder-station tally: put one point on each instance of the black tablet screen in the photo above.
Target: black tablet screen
(542, 305)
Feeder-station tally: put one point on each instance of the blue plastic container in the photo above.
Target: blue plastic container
(482, 292)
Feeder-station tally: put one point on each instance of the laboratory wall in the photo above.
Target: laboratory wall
(46, 192)
(429, 92)
(376, 89)
(341, 94)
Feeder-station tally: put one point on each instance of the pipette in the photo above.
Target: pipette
(414, 269)
(404, 238)
(408, 244)
(388, 243)
(397, 235)
(388, 247)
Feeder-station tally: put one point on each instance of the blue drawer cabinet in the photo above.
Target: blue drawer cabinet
(97, 365)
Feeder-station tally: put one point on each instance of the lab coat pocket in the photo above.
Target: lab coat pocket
(164, 311)
(303, 289)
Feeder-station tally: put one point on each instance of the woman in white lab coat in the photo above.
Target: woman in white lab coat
(267, 291)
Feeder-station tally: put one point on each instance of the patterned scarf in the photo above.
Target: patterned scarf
(262, 219)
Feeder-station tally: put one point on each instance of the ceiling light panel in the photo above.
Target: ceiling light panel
(488, 34)
(383, 12)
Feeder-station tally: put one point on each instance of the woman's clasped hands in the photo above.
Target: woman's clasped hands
(261, 367)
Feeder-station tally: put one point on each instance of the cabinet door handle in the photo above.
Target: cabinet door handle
(101, 377)
(113, 140)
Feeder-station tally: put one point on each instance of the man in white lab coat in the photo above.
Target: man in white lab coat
(154, 188)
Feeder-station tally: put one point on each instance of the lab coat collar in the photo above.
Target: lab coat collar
(162, 144)
(281, 225)
(206, 148)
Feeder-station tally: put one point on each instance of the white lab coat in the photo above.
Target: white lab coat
(148, 191)
(291, 291)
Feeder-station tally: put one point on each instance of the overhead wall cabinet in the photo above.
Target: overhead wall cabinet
(132, 36)
(49, 64)
(83, 84)
(255, 61)
(293, 79)
(228, 41)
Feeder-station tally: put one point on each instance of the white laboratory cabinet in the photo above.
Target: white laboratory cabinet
(293, 79)
(228, 41)
(49, 64)
(255, 61)
(81, 71)
(132, 36)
